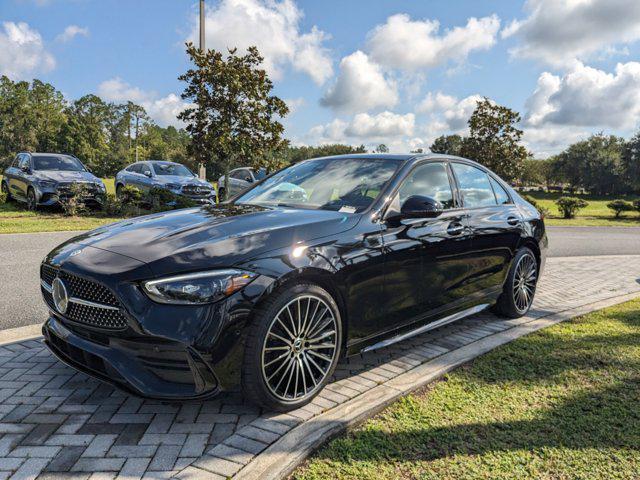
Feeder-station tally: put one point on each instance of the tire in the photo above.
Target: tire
(221, 197)
(5, 189)
(32, 203)
(280, 343)
(520, 285)
(118, 190)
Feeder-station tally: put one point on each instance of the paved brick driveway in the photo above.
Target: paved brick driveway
(56, 423)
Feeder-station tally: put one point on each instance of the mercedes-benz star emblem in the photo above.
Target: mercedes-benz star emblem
(60, 296)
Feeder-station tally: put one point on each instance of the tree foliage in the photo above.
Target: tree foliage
(297, 154)
(233, 116)
(494, 139)
(105, 136)
(447, 144)
(594, 164)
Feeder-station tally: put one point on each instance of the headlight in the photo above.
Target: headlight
(47, 184)
(101, 187)
(173, 186)
(197, 288)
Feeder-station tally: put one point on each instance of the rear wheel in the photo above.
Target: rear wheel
(118, 190)
(293, 347)
(5, 190)
(221, 195)
(520, 285)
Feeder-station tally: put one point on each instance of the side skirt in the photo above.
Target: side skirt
(426, 328)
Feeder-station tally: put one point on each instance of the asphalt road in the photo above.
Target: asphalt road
(20, 256)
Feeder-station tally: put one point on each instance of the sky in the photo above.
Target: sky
(397, 72)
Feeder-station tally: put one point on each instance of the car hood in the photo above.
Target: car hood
(213, 236)
(164, 179)
(58, 176)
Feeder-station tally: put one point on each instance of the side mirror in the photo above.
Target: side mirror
(248, 179)
(25, 168)
(419, 206)
(147, 173)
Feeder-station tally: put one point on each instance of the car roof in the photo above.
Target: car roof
(160, 162)
(400, 157)
(43, 154)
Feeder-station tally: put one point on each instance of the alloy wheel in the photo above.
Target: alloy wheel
(299, 348)
(524, 282)
(31, 200)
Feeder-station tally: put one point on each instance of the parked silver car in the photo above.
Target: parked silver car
(171, 176)
(240, 179)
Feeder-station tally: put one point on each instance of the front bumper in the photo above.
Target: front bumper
(168, 352)
(49, 197)
(147, 368)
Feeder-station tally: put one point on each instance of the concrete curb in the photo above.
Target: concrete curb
(280, 459)
(20, 334)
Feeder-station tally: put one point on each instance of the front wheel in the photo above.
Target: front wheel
(292, 348)
(520, 285)
(32, 203)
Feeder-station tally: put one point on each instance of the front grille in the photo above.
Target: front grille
(197, 191)
(89, 291)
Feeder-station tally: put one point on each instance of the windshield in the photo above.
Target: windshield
(65, 164)
(172, 169)
(344, 184)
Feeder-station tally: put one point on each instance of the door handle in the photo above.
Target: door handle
(455, 228)
(513, 221)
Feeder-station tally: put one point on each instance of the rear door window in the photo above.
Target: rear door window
(429, 180)
(501, 194)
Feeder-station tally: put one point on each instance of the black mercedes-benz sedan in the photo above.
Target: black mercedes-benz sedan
(328, 257)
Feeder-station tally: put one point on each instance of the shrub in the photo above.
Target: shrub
(75, 203)
(636, 205)
(569, 206)
(130, 195)
(618, 206)
(3, 197)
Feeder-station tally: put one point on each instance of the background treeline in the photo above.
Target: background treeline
(600, 165)
(106, 136)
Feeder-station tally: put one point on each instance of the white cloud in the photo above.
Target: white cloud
(414, 44)
(361, 85)
(71, 32)
(559, 31)
(117, 90)
(22, 52)
(448, 112)
(163, 110)
(295, 104)
(586, 96)
(549, 140)
(393, 129)
(381, 126)
(274, 27)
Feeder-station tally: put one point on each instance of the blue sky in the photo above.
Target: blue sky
(394, 72)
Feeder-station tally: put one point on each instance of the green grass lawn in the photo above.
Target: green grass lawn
(561, 403)
(596, 214)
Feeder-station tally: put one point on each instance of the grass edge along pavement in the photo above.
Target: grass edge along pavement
(560, 403)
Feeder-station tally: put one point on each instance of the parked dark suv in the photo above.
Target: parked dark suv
(328, 257)
(171, 176)
(47, 178)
